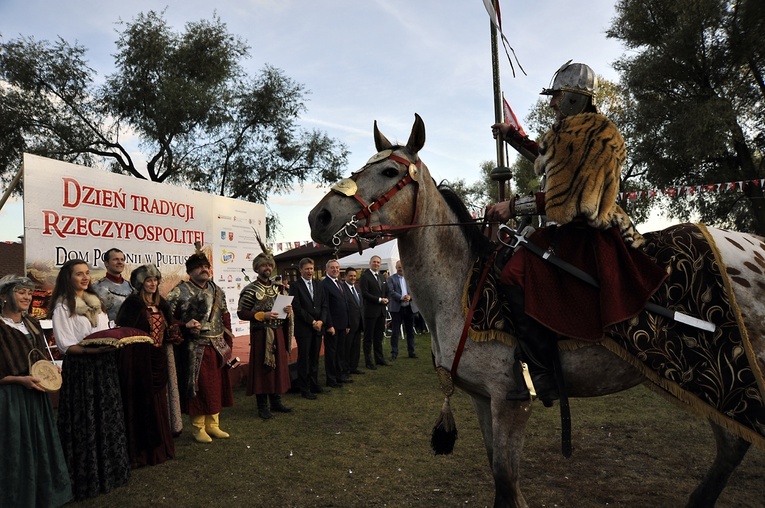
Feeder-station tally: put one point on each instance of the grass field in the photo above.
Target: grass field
(368, 445)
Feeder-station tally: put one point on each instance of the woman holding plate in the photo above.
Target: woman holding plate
(32, 464)
(90, 416)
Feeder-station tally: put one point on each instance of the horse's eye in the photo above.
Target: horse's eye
(390, 172)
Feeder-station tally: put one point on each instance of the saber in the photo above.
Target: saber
(519, 239)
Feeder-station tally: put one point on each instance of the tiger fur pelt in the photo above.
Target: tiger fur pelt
(582, 157)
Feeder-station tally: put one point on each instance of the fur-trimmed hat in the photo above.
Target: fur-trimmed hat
(143, 272)
(264, 257)
(11, 282)
(197, 259)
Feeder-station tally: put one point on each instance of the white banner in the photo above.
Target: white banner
(76, 212)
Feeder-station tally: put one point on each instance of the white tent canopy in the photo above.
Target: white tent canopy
(387, 251)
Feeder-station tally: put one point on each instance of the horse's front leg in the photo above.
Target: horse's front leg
(508, 424)
(730, 451)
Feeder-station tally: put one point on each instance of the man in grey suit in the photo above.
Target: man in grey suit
(353, 297)
(402, 310)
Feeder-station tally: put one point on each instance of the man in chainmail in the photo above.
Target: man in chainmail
(200, 305)
(113, 288)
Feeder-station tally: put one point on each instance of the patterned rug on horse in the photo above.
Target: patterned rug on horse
(712, 374)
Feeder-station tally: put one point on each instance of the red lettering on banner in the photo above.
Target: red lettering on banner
(64, 226)
(76, 194)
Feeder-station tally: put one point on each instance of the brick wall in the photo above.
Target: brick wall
(11, 258)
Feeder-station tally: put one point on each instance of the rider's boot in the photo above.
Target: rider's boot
(538, 347)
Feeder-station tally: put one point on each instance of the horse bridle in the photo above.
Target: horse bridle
(347, 187)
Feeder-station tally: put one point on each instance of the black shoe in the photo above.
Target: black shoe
(357, 371)
(278, 407)
(519, 394)
(319, 389)
(546, 388)
(345, 380)
(264, 413)
(334, 385)
(383, 363)
(413, 355)
(371, 366)
(308, 395)
(393, 356)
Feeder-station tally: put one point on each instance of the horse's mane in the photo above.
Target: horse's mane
(477, 242)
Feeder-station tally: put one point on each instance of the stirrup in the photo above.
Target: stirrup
(521, 391)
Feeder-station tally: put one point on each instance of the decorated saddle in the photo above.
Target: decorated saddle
(713, 374)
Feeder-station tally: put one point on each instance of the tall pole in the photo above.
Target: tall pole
(501, 173)
(13, 185)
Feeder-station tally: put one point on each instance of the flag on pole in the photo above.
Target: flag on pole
(510, 118)
(492, 8)
(489, 4)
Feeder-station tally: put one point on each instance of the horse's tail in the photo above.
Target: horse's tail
(444, 431)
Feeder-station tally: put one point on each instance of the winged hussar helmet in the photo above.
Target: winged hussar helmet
(264, 257)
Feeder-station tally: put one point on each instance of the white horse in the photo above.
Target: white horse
(395, 191)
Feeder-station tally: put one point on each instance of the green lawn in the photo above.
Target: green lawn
(368, 444)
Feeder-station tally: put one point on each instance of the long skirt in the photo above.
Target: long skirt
(32, 464)
(91, 424)
(262, 379)
(143, 382)
(214, 387)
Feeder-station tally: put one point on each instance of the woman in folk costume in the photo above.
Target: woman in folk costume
(90, 418)
(145, 378)
(32, 464)
(580, 159)
(270, 337)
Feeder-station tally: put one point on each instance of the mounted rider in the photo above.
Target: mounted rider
(580, 160)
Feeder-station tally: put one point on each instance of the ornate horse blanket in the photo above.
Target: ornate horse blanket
(715, 375)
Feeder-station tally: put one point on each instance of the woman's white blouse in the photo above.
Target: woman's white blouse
(69, 330)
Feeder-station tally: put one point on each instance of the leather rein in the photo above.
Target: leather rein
(351, 229)
(347, 187)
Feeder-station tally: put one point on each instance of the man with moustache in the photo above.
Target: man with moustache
(270, 337)
(374, 291)
(200, 305)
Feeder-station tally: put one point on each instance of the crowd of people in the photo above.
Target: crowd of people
(120, 407)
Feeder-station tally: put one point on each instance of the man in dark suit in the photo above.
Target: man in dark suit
(402, 310)
(374, 291)
(354, 322)
(336, 328)
(311, 312)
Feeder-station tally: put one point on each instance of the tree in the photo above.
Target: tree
(694, 74)
(201, 121)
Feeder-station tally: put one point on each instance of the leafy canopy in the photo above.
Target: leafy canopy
(694, 74)
(200, 120)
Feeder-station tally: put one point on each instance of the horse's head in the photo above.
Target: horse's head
(378, 198)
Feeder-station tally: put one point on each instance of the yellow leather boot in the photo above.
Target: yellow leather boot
(198, 429)
(212, 425)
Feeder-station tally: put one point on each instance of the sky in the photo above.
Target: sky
(362, 61)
